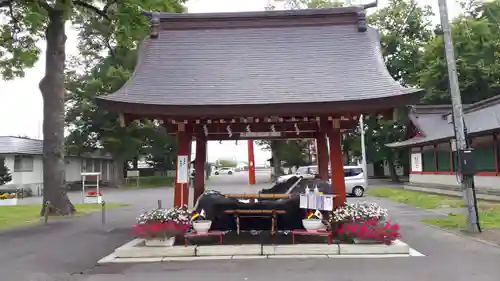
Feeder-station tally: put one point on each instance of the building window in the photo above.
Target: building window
(23, 163)
(428, 163)
(97, 165)
(443, 157)
(105, 170)
(484, 153)
(88, 166)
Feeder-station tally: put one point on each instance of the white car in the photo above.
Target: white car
(307, 172)
(355, 183)
(224, 170)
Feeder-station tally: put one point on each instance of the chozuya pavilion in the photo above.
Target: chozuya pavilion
(260, 75)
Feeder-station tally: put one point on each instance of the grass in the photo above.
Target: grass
(150, 182)
(489, 213)
(417, 199)
(489, 218)
(23, 215)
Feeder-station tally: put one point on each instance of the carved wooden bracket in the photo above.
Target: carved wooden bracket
(362, 26)
(155, 25)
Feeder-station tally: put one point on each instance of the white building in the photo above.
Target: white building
(23, 158)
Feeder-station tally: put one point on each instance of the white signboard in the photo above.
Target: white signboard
(259, 134)
(453, 144)
(182, 169)
(132, 174)
(416, 162)
(316, 202)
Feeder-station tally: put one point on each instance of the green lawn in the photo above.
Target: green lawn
(489, 213)
(489, 218)
(149, 182)
(417, 199)
(22, 215)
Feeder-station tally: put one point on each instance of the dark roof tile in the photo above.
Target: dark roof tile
(483, 116)
(260, 65)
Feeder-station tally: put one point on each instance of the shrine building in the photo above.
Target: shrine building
(431, 141)
(259, 75)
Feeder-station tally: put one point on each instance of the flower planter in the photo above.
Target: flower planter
(92, 200)
(365, 241)
(8, 202)
(202, 226)
(167, 242)
(312, 224)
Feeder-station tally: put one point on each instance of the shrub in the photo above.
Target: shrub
(5, 175)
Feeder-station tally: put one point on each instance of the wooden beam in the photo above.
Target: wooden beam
(283, 136)
(215, 128)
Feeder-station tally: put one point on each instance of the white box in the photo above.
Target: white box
(92, 200)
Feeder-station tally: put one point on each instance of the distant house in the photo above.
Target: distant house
(431, 141)
(23, 157)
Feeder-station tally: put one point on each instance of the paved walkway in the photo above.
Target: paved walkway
(68, 250)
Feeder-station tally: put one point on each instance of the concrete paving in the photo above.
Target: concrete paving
(69, 250)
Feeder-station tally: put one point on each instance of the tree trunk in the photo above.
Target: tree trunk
(53, 91)
(118, 172)
(392, 167)
(275, 148)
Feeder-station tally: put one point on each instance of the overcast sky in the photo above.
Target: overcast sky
(21, 102)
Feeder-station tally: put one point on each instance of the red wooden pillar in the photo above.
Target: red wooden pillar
(199, 166)
(322, 155)
(251, 163)
(181, 190)
(337, 164)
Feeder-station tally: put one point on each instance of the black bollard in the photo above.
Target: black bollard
(46, 210)
(103, 212)
(159, 204)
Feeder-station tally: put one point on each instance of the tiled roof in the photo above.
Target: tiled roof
(17, 145)
(481, 117)
(259, 65)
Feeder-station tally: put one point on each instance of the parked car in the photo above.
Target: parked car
(355, 184)
(306, 172)
(224, 170)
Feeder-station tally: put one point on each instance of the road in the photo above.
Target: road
(64, 247)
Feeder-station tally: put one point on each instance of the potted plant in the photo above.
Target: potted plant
(93, 197)
(8, 199)
(159, 227)
(313, 221)
(200, 222)
(370, 231)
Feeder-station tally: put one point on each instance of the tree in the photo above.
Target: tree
(226, 163)
(116, 23)
(405, 29)
(5, 175)
(477, 48)
(93, 128)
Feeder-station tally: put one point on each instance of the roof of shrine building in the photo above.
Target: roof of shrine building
(313, 61)
(433, 123)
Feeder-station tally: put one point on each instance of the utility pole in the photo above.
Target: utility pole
(466, 162)
(363, 149)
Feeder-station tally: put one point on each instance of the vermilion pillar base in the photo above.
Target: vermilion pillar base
(181, 190)
(322, 155)
(251, 163)
(337, 166)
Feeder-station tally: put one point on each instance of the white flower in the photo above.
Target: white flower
(359, 211)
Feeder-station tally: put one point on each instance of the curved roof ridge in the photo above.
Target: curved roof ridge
(166, 16)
